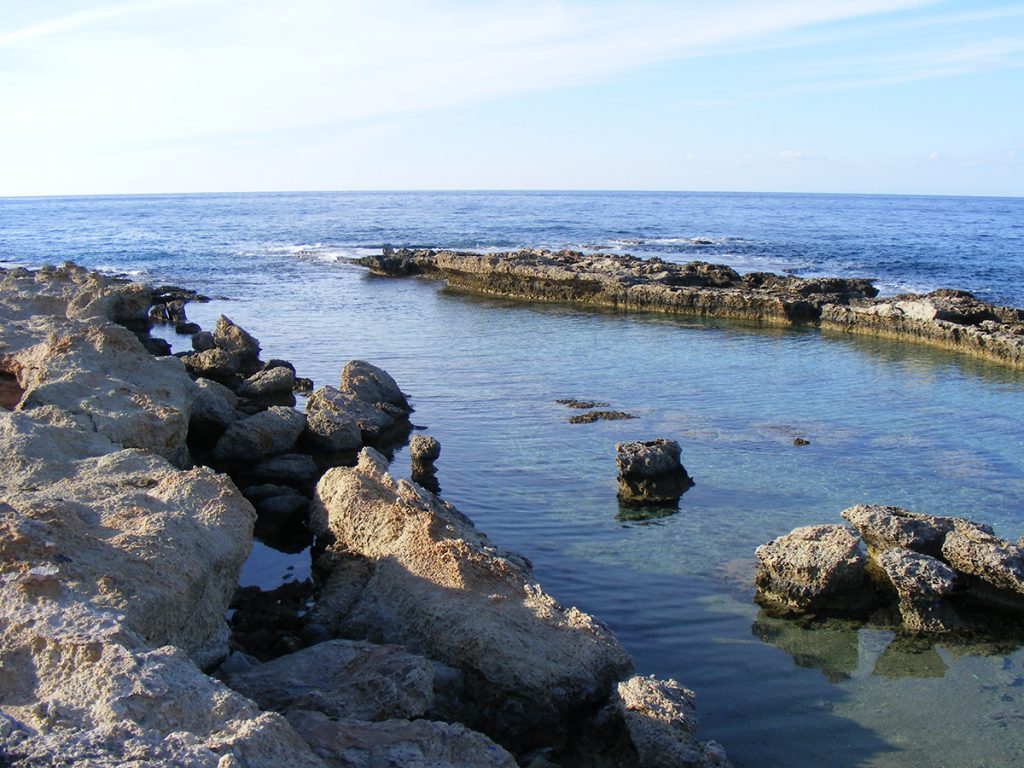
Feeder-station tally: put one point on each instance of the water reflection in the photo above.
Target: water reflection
(644, 514)
(828, 645)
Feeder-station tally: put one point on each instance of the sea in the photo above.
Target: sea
(886, 422)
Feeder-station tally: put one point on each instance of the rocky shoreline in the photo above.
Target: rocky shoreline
(133, 482)
(949, 319)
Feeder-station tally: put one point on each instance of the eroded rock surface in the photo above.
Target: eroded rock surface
(440, 588)
(651, 471)
(811, 568)
(922, 583)
(884, 527)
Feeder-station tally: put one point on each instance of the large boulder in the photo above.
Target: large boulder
(443, 590)
(922, 584)
(343, 679)
(884, 527)
(372, 385)
(345, 408)
(213, 411)
(651, 471)
(267, 383)
(216, 364)
(260, 436)
(814, 568)
(397, 743)
(331, 431)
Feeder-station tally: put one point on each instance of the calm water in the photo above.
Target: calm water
(887, 423)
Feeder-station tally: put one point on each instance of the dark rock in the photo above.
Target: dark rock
(267, 624)
(814, 568)
(572, 403)
(799, 441)
(202, 341)
(276, 363)
(292, 468)
(592, 416)
(302, 385)
(269, 381)
(215, 364)
(424, 449)
(155, 346)
(331, 430)
(187, 329)
(651, 471)
(270, 433)
(213, 411)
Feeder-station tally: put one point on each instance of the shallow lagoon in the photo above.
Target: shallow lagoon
(887, 423)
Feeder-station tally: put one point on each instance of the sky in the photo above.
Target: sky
(854, 96)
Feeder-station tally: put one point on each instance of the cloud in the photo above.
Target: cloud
(73, 21)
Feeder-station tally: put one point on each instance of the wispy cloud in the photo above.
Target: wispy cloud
(78, 19)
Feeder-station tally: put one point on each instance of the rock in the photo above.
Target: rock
(268, 382)
(213, 364)
(331, 430)
(921, 582)
(156, 347)
(236, 663)
(424, 449)
(346, 579)
(291, 469)
(372, 385)
(289, 504)
(592, 416)
(584, 404)
(799, 441)
(888, 527)
(202, 341)
(187, 329)
(397, 743)
(996, 566)
(260, 436)
(374, 423)
(105, 375)
(441, 589)
(213, 411)
(302, 385)
(661, 723)
(814, 568)
(234, 340)
(343, 679)
(651, 471)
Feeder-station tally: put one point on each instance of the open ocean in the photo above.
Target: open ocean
(888, 423)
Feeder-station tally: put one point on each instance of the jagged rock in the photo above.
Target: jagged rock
(582, 404)
(441, 589)
(922, 582)
(424, 449)
(661, 722)
(213, 411)
(373, 423)
(105, 375)
(372, 385)
(397, 743)
(651, 471)
(289, 468)
(814, 568)
(268, 382)
(187, 329)
(257, 437)
(995, 565)
(343, 679)
(237, 341)
(156, 347)
(888, 527)
(216, 364)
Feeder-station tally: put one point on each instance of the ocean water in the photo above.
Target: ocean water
(887, 422)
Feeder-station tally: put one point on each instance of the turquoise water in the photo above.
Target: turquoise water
(887, 423)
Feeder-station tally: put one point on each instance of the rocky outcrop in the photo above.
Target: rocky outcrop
(950, 319)
(812, 568)
(441, 589)
(947, 574)
(651, 471)
(424, 450)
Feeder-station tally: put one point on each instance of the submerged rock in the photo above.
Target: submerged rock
(440, 588)
(651, 471)
(592, 416)
(814, 568)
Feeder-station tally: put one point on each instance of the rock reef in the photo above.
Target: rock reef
(123, 531)
(923, 573)
(946, 318)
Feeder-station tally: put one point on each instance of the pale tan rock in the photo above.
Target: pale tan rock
(262, 435)
(440, 588)
(372, 385)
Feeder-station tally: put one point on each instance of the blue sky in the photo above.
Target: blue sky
(901, 96)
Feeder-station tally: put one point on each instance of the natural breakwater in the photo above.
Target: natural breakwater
(887, 423)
